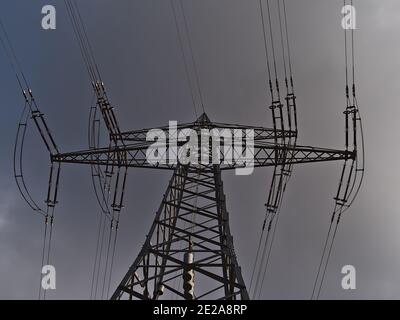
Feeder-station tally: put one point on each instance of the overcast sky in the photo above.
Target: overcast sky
(136, 46)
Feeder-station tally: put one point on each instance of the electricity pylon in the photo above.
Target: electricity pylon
(189, 242)
(189, 249)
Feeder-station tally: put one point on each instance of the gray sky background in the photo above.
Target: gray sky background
(137, 49)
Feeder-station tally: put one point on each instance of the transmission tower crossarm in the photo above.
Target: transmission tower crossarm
(260, 133)
(280, 154)
(263, 155)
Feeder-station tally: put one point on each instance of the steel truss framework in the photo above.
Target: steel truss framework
(266, 151)
(192, 218)
(190, 240)
(190, 236)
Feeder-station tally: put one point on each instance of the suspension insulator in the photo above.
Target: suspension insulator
(188, 277)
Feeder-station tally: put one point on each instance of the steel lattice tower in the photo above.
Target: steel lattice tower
(189, 250)
(189, 242)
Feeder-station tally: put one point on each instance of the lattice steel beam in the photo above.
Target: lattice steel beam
(265, 155)
(192, 219)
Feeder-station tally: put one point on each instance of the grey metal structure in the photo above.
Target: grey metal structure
(189, 250)
(192, 220)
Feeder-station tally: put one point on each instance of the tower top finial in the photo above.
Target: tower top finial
(203, 118)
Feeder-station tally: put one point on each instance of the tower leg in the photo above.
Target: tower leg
(188, 253)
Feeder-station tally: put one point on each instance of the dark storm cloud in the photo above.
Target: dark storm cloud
(136, 46)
